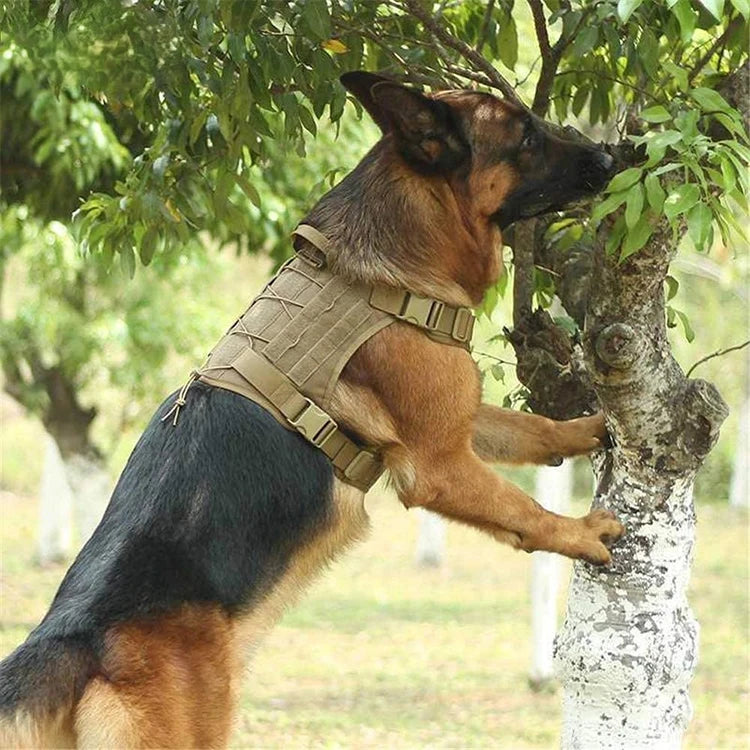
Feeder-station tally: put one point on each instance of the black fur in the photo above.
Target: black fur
(556, 173)
(210, 510)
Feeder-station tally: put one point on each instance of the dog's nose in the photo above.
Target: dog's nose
(605, 160)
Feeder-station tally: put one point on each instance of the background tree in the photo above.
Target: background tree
(203, 93)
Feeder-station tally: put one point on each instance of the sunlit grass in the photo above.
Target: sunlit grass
(384, 654)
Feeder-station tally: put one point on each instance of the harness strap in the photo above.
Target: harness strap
(351, 462)
(438, 319)
(316, 254)
(445, 323)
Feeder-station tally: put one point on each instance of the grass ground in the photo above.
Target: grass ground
(384, 654)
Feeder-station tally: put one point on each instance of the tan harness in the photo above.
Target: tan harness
(287, 350)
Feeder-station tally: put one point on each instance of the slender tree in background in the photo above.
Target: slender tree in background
(554, 488)
(200, 93)
(430, 539)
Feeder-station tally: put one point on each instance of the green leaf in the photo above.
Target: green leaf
(148, 245)
(710, 101)
(657, 113)
(127, 260)
(681, 199)
(248, 189)
(664, 168)
(732, 124)
(679, 75)
(648, 52)
(625, 9)
(498, 373)
(654, 192)
(636, 238)
(634, 205)
(567, 324)
(197, 125)
(615, 236)
(608, 205)
(585, 41)
(742, 7)
(672, 286)
(657, 146)
(686, 327)
(307, 120)
(507, 43)
(687, 19)
(318, 19)
(714, 7)
(624, 180)
(699, 220)
(579, 100)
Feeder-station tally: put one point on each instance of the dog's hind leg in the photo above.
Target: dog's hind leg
(165, 682)
(26, 730)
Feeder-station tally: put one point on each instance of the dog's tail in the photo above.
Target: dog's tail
(40, 683)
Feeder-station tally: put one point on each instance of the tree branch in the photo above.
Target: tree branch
(717, 353)
(523, 268)
(463, 49)
(551, 55)
(540, 27)
(485, 26)
(703, 61)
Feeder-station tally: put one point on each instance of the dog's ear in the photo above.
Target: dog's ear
(425, 129)
(359, 83)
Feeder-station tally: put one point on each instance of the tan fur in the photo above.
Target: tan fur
(348, 524)
(165, 681)
(25, 730)
(430, 393)
(171, 681)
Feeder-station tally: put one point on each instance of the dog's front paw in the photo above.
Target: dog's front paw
(576, 437)
(601, 531)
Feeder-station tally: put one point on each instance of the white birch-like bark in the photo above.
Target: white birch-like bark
(92, 487)
(55, 508)
(554, 487)
(628, 648)
(739, 492)
(430, 539)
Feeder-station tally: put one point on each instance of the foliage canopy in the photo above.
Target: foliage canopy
(154, 123)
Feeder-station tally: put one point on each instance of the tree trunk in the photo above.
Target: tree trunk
(430, 539)
(554, 485)
(628, 647)
(70, 424)
(92, 487)
(55, 508)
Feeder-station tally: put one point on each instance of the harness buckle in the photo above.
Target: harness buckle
(314, 423)
(463, 325)
(422, 311)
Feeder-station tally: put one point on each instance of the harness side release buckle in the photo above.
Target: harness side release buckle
(314, 424)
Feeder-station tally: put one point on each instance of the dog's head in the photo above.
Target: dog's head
(497, 156)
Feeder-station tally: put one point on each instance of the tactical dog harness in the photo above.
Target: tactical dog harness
(287, 350)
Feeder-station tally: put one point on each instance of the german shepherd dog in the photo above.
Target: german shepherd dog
(216, 524)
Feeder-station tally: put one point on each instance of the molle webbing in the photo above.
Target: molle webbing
(444, 323)
(287, 350)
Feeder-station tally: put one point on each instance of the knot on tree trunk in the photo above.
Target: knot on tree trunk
(550, 365)
(618, 346)
(705, 411)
